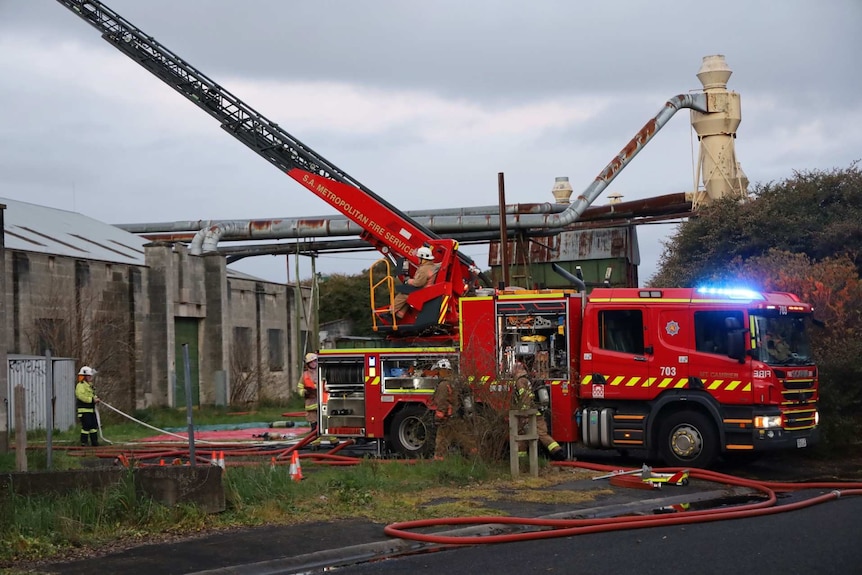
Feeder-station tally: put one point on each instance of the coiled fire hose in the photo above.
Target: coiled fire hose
(567, 527)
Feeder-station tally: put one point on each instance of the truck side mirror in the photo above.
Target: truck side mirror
(736, 345)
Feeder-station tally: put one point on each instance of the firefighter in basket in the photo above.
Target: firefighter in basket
(524, 399)
(425, 275)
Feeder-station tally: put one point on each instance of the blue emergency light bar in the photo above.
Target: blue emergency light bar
(731, 293)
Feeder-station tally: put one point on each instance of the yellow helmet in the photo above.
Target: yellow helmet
(309, 357)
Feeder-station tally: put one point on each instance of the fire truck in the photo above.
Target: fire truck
(685, 374)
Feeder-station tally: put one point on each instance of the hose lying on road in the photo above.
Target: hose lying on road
(568, 527)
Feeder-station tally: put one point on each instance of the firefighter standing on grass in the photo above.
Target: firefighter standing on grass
(448, 405)
(524, 400)
(307, 388)
(85, 403)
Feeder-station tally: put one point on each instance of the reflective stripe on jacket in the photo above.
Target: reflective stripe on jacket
(523, 397)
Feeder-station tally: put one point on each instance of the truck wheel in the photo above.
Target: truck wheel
(412, 432)
(687, 439)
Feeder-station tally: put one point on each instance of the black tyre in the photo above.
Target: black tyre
(412, 432)
(687, 439)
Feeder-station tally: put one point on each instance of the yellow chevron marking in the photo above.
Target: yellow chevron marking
(587, 379)
(680, 384)
(733, 385)
(633, 381)
(665, 382)
(747, 387)
(373, 380)
(617, 380)
(649, 381)
(443, 309)
(715, 384)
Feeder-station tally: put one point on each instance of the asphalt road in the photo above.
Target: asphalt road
(823, 539)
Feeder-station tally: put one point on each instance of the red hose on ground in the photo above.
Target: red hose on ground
(569, 527)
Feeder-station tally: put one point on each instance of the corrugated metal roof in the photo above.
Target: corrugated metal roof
(34, 228)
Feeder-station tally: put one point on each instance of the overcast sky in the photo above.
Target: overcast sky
(423, 102)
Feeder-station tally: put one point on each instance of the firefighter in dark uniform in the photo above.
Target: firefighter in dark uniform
(525, 400)
(85, 403)
(449, 405)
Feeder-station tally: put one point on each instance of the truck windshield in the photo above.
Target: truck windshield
(780, 339)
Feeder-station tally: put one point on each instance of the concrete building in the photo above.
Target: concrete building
(132, 309)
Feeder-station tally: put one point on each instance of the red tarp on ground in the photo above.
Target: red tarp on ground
(286, 434)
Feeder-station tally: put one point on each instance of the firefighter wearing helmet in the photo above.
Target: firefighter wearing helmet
(425, 275)
(448, 403)
(307, 388)
(85, 404)
(524, 399)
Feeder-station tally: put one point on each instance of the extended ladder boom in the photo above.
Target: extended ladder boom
(385, 227)
(388, 227)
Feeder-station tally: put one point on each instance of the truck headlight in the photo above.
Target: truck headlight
(767, 421)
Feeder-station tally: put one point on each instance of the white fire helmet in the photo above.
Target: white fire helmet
(443, 364)
(87, 370)
(424, 253)
(309, 357)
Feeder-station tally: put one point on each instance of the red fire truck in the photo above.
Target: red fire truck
(685, 374)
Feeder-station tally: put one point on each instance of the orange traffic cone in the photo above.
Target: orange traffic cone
(295, 467)
(221, 459)
(214, 459)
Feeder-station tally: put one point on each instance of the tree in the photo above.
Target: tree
(814, 213)
(347, 297)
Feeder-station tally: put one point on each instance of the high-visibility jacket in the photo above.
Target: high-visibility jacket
(85, 397)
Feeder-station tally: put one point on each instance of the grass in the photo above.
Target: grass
(56, 526)
(52, 526)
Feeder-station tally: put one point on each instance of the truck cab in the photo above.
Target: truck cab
(688, 374)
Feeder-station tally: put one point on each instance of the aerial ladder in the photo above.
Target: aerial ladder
(432, 311)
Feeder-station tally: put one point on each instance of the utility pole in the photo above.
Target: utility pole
(4, 360)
